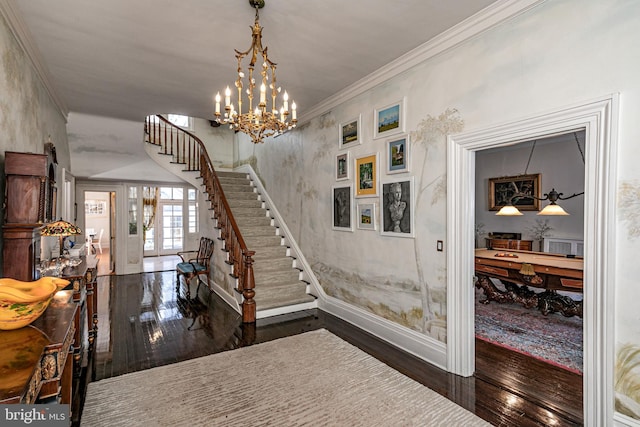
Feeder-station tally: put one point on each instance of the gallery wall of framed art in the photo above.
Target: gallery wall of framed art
(362, 177)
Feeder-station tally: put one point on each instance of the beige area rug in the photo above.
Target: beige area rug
(314, 379)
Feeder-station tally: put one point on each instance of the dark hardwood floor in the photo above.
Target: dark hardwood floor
(144, 323)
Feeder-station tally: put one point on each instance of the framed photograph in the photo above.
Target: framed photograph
(397, 209)
(502, 190)
(389, 119)
(366, 171)
(398, 154)
(342, 166)
(342, 199)
(350, 133)
(366, 219)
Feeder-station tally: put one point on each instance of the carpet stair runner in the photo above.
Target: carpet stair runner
(277, 281)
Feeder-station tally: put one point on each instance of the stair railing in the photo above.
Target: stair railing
(188, 149)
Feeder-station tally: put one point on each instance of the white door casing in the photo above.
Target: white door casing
(599, 119)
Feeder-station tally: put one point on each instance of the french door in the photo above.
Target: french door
(171, 229)
(164, 234)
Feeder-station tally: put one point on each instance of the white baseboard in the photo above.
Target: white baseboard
(229, 299)
(262, 314)
(415, 343)
(620, 420)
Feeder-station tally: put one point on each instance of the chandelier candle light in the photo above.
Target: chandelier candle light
(257, 121)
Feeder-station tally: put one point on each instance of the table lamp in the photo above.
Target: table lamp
(60, 229)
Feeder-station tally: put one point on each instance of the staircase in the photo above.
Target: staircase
(258, 254)
(277, 282)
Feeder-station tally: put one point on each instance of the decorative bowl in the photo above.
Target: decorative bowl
(23, 302)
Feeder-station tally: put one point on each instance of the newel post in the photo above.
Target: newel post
(248, 305)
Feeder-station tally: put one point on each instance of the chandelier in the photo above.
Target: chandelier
(259, 120)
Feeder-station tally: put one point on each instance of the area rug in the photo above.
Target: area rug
(553, 338)
(314, 379)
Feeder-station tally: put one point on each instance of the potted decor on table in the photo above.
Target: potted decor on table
(539, 231)
(479, 232)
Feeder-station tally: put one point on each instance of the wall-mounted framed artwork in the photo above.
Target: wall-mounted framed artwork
(398, 154)
(342, 202)
(389, 120)
(366, 217)
(342, 166)
(502, 190)
(397, 209)
(95, 207)
(366, 170)
(349, 132)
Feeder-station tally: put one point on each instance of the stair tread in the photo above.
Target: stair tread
(276, 301)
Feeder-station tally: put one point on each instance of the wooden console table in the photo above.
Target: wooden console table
(82, 278)
(537, 269)
(35, 361)
(83, 283)
(522, 245)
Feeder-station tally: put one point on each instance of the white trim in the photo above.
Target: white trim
(486, 19)
(415, 343)
(620, 420)
(263, 314)
(225, 296)
(599, 119)
(23, 36)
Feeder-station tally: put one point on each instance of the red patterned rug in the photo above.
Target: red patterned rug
(553, 338)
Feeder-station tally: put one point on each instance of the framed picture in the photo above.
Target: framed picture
(389, 119)
(366, 219)
(366, 171)
(396, 208)
(502, 191)
(342, 199)
(342, 166)
(398, 154)
(350, 133)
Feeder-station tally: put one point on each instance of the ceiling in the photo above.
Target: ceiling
(130, 58)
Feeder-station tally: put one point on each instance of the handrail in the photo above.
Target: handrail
(188, 149)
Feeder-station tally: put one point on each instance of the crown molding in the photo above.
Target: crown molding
(489, 17)
(21, 32)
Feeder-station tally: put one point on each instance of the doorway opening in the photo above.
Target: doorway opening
(506, 308)
(100, 230)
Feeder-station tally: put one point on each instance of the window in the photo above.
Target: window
(95, 207)
(192, 206)
(171, 193)
(133, 210)
(185, 122)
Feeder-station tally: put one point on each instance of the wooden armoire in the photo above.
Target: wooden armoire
(29, 203)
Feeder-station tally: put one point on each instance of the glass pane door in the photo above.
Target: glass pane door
(171, 228)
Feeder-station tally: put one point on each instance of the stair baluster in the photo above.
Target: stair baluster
(240, 257)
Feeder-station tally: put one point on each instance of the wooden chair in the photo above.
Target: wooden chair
(194, 264)
(97, 241)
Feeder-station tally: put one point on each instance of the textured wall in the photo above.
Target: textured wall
(557, 54)
(28, 116)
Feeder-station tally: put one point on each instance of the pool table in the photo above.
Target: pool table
(518, 270)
